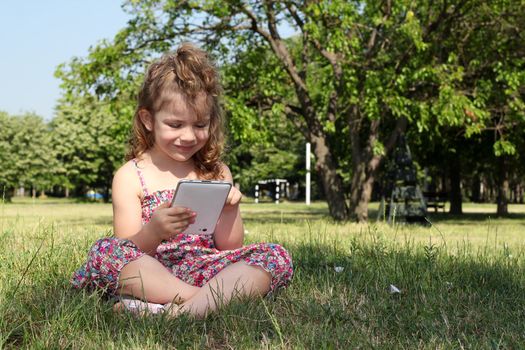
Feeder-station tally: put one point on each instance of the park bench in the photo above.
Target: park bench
(436, 200)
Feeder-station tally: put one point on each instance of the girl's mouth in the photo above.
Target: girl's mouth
(184, 148)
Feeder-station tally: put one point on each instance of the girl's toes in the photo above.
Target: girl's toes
(172, 310)
(119, 308)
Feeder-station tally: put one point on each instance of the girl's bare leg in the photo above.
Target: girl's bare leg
(236, 280)
(147, 279)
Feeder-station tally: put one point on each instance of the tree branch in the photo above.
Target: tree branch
(272, 21)
(284, 55)
(295, 15)
(372, 41)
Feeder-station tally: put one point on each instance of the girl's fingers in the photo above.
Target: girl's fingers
(178, 210)
(180, 226)
(234, 196)
(181, 220)
(163, 206)
(180, 213)
(238, 198)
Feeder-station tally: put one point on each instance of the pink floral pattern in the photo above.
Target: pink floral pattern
(192, 258)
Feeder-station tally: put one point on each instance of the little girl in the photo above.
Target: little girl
(150, 264)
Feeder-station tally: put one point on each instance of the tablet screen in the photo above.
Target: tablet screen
(206, 198)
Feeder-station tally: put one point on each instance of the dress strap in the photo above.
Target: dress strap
(141, 177)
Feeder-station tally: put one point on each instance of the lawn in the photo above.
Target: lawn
(461, 283)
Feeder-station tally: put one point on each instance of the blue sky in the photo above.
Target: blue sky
(36, 36)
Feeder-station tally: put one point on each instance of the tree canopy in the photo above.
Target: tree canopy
(352, 77)
(355, 76)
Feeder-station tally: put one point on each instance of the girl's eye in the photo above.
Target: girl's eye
(175, 126)
(202, 126)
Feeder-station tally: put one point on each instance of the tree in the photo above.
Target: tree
(35, 159)
(25, 152)
(7, 170)
(89, 144)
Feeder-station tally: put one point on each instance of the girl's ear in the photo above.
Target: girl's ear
(146, 118)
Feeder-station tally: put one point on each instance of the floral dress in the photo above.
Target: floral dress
(190, 257)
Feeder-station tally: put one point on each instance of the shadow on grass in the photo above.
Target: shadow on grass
(288, 215)
(469, 218)
(445, 301)
(466, 218)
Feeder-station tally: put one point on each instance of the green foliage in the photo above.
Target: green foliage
(31, 147)
(90, 142)
(27, 157)
(7, 170)
(263, 143)
(452, 69)
(480, 107)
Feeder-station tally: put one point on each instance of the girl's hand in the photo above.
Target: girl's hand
(167, 221)
(234, 197)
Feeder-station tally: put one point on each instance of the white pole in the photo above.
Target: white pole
(308, 173)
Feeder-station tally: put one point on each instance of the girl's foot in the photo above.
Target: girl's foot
(138, 307)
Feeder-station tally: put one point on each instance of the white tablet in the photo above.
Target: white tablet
(206, 198)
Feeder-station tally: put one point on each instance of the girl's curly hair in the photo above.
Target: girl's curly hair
(190, 73)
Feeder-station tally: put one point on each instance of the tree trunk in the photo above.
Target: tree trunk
(455, 186)
(365, 164)
(332, 184)
(361, 191)
(503, 187)
(476, 189)
(7, 194)
(106, 193)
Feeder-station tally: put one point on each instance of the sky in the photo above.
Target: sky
(36, 36)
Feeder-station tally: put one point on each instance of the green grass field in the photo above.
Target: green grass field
(461, 282)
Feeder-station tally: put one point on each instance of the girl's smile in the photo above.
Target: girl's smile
(184, 149)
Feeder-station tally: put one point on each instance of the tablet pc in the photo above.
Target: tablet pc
(204, 197)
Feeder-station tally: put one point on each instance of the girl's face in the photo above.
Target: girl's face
(181, 131)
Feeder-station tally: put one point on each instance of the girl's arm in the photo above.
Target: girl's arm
(229, 233)
(127, 214)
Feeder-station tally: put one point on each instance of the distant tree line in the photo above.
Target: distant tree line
(82, 146)
(449, 75)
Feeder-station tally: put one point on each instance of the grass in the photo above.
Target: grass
(462, 284)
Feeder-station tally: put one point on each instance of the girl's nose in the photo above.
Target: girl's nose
(188, 135)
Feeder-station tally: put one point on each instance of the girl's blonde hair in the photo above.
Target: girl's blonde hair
(190, 73)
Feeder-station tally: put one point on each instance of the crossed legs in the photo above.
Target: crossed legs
(147, 279)
(234, 281)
